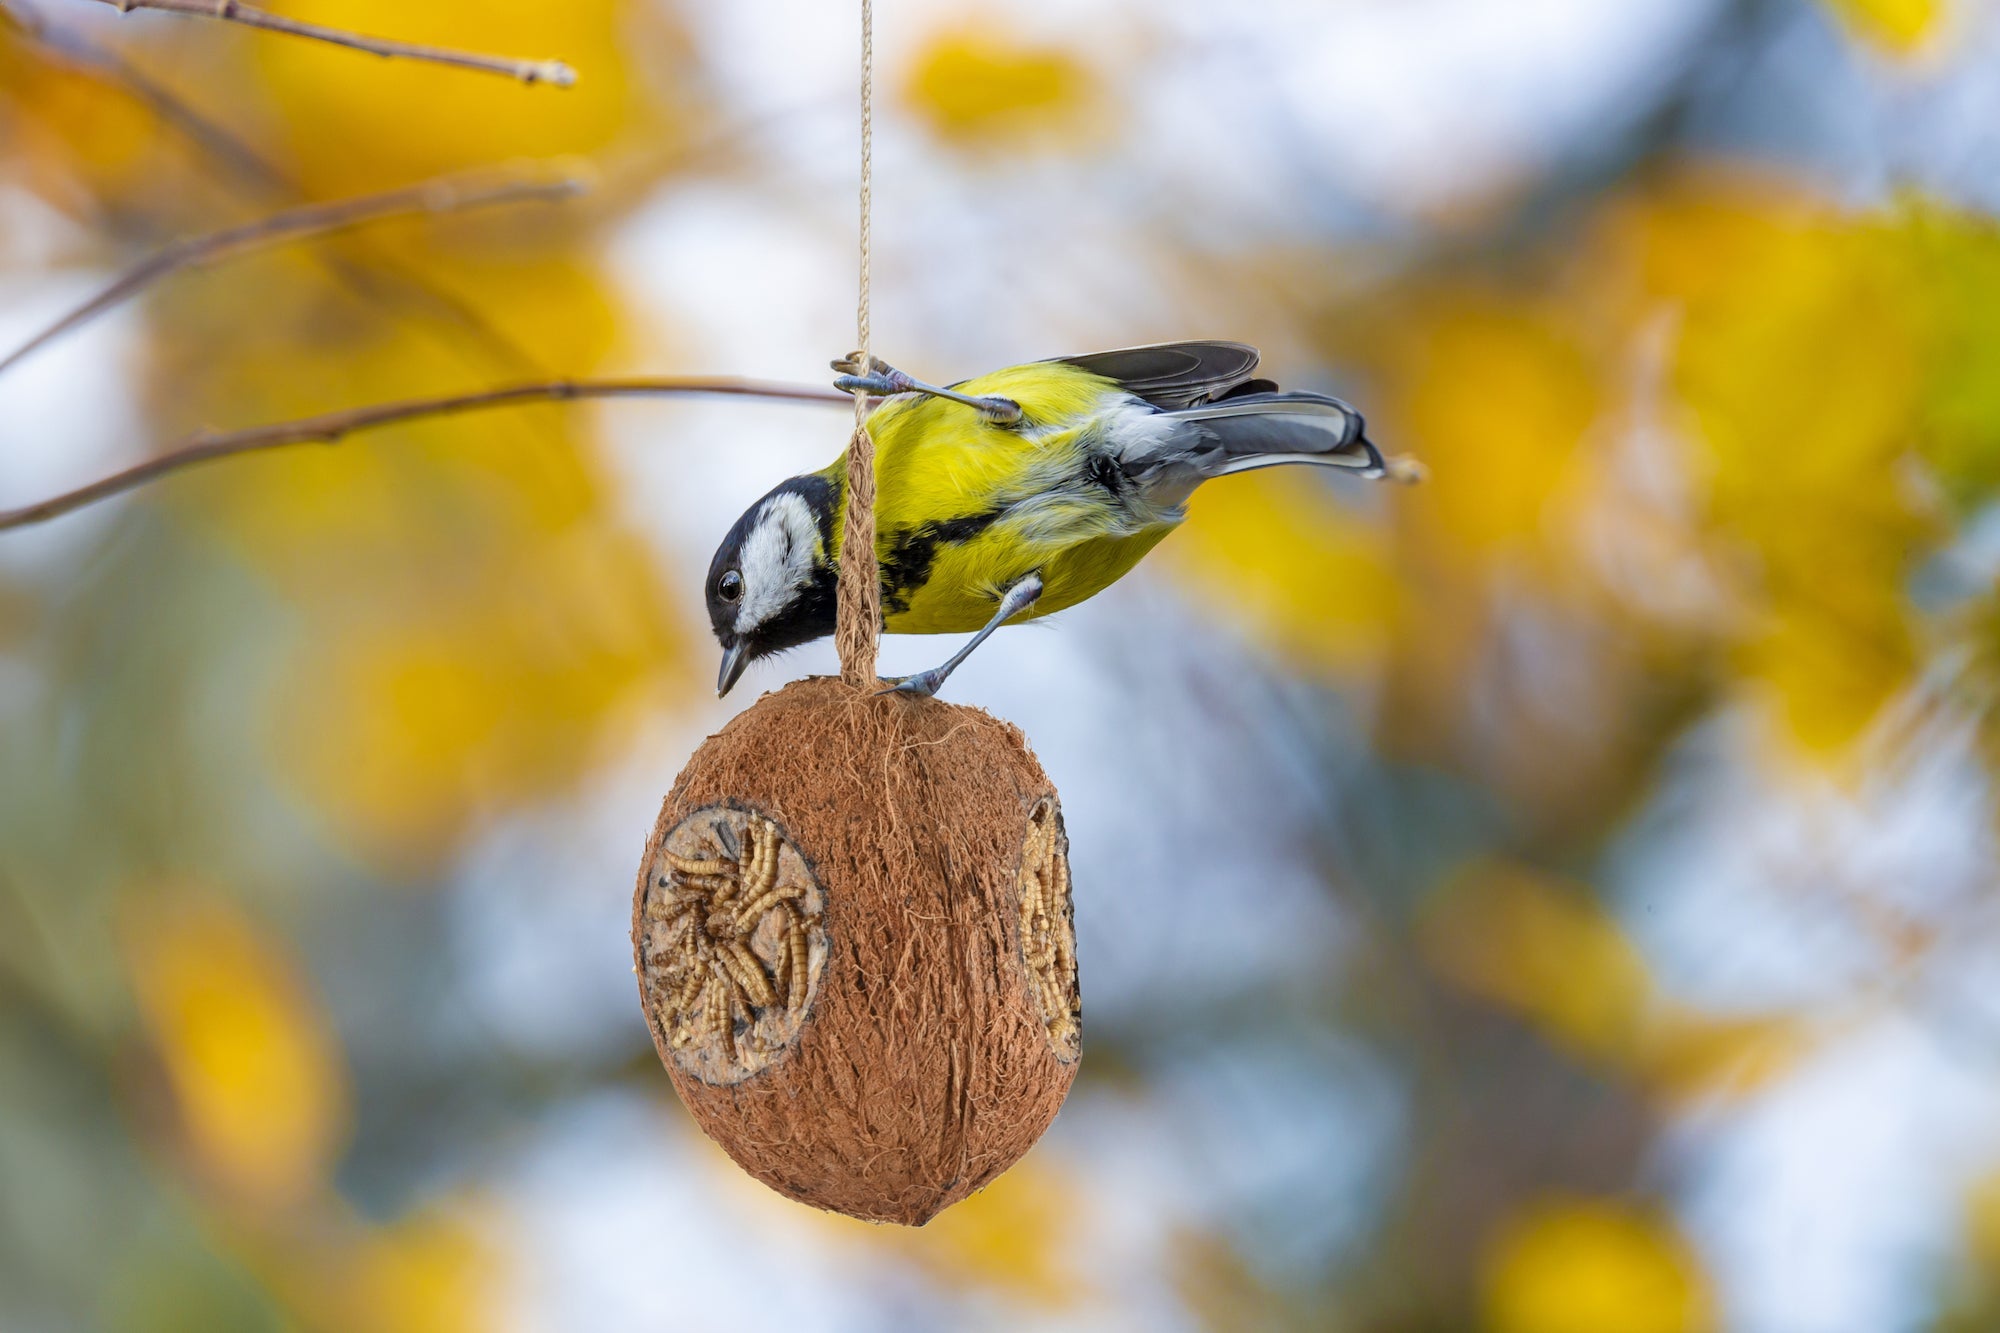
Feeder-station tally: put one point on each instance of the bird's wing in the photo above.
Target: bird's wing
(1261, 429)
(1173, 375)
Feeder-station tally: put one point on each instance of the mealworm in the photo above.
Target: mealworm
(749, 973)
(688, 865)
(754, 913)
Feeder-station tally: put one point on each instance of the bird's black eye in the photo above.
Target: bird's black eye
(730, 586)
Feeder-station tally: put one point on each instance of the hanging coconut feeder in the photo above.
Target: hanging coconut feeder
(855, 952)
(852, 927)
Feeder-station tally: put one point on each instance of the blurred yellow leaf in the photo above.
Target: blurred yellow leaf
(1551, 952)
(311, 514)
(1497, 402)
(1281, 553)
(427, 1274)
(1217, 1281)
(1900, 25)
(1014, 1237)
(257, 1075)
(1593, 1266)
(1828, 671)
(417, 120)
(1982, 1220)
(66, 127)
(1545, 949)
(1802, 338)
(430, 1272)
(1689, 1054)
(1957, 262)
(471, 621)
(976, 84)
(406, 720)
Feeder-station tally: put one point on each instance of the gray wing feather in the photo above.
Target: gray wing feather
(1243, 432)
(1173, 375)
(1265, 429)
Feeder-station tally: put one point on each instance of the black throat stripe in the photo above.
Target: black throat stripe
(907, 564)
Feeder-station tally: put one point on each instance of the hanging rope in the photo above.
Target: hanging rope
(858, 624)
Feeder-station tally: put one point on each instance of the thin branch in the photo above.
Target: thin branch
(82, 53)
(330, 427)
(552, 72)
(447, 195)
(375, 275)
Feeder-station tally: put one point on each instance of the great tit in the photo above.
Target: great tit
(1016, 494)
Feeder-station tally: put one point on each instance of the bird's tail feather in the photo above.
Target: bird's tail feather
(1268, 429)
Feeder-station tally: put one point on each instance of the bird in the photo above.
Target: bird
(1017, 494)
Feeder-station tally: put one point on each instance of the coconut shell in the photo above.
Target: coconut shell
(855, 952)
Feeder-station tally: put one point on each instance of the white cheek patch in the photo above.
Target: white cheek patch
(777, 560)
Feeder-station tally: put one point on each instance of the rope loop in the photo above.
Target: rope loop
(858, 621)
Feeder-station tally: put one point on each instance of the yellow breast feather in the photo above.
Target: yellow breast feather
(966, 508)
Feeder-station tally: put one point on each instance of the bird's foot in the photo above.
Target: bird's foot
(1015, 600)
(883, 380)
(879, 386)
(923, 685)
(871, 375)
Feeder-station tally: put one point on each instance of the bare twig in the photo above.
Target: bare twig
(81, 53)
(329, 427)
(445, 195)
(376, 275)
(552, 72)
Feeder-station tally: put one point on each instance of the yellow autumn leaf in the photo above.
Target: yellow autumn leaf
(1899, 25)
(1552, 953)
(1498, 403)
(257, 1075)
(1593, 1266)
(1801, 337)
(429, 1272)
(1982, 1220)
(417, 119)
(1014, 1238)
(470, 620)
(1956, 261)
(977, 85)
(404, 721)
(1689, 1054)
(310, 514)
(69, 128)
(1285, 557)
(1829, 670)
(1545, 949)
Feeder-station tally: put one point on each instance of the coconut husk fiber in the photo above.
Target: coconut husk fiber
(854, 944)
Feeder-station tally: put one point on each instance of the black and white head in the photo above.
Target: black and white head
(772, 583)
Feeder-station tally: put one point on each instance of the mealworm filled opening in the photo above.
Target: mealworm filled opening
(732, 942)
(1048, 929)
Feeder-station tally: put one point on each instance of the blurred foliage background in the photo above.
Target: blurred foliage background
(1557, 899)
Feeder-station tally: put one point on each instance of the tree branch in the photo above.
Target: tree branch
(445, 195)
(329, 427)
(374, 276)
(552, 72)
(81, 53)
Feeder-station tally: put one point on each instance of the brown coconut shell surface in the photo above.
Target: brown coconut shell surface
(855, 953)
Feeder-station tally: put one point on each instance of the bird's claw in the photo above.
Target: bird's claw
(870, 375)
(923, 685)
(883, 380)
(877, 385)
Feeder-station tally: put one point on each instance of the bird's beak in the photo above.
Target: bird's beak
(734, 659)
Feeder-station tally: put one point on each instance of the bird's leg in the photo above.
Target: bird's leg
(884, 380)
(1017, 599)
